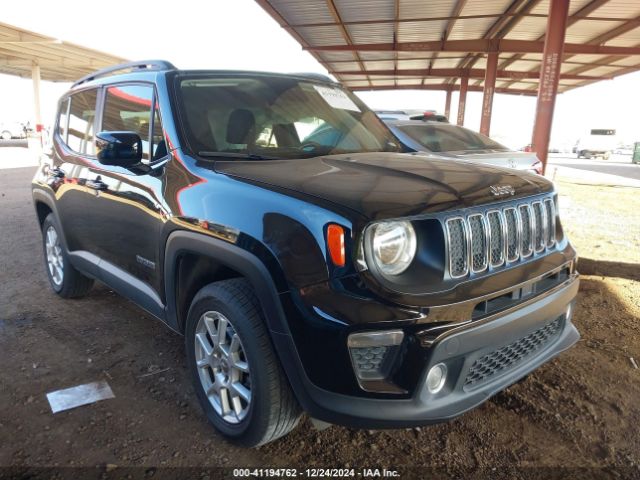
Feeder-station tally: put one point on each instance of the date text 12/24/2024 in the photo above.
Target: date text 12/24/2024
(315, 473)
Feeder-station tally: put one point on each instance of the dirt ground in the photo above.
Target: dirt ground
(578, 414)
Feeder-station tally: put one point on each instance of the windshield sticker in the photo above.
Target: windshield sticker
(336, 98)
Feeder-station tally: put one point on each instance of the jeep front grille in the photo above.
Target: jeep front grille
(497, 236)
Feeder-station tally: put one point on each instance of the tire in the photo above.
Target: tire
(606, 155)
(273, 410)
(6, 135)
(586, 154)
(64, 279)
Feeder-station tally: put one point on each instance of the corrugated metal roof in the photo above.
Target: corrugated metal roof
(59, 61)
(369, 43)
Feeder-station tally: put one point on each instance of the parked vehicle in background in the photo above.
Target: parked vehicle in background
(414, 114)
(11, 130)
(624, 150)
(332, 274)
(453, 141)
(599, 142)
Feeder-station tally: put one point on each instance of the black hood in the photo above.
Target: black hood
(389, 185)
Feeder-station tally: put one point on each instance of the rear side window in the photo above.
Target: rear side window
(82, 113)
(128, 108)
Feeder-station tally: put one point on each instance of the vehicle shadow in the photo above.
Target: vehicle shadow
(607, 268)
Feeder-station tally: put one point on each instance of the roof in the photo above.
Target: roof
(417, 44)
(59, 61)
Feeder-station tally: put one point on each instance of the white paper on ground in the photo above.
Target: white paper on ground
(336, 98)
(81, 395)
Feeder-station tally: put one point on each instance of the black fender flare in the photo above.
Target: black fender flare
(40, 195)
(232, 256)
(253, 269)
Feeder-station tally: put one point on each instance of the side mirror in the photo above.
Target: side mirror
(122, 149)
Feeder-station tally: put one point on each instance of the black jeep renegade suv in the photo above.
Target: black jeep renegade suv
(310, 264)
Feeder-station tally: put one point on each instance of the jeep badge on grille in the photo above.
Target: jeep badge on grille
(501, 190)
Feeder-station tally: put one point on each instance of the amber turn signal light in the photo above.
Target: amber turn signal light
(335, 241)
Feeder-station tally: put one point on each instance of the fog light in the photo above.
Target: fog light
(436, 378)
(372, 353)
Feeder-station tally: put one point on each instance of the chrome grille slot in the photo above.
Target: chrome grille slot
(458, 248)
(497, 234)
(492, 238)
(550, 209)
(479, 242)
(540, 227)
(526, 233)
(512, 221)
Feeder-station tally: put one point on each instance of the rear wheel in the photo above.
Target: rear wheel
(65, 280)
(606, 156)
(238, 379)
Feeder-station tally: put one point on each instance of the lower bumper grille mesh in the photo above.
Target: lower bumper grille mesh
(508, 356)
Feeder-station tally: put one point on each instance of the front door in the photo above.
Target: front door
(127, 209)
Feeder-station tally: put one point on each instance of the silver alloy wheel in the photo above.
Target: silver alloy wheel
(54, 255)
(222, 367)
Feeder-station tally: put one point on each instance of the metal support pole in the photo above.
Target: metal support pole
(447, 104)
(549, 77)
(35, 77)
(462, 100)
(489, 89)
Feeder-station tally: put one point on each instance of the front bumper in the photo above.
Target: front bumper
(482, 358)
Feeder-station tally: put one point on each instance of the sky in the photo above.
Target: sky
(239, 34)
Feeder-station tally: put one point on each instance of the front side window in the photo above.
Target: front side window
(82, 113)
(128, 108)
(276, 117)
(449, 138)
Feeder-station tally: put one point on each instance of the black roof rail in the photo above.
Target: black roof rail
(149, 65)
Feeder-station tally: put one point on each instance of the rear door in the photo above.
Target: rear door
(73, 154)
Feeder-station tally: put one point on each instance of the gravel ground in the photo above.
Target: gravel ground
(578, 414)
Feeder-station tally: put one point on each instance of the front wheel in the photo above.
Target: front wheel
(238, 379)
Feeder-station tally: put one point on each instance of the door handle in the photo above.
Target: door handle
(96, 184)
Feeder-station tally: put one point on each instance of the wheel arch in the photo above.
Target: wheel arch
(231, 261)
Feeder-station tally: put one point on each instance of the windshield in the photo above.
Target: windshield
(449, 138)
(265, 117)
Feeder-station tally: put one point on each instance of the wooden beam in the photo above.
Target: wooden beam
(442, 87)
(461, 73)
(476, 45)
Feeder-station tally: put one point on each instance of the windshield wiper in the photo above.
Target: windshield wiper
(244, 156)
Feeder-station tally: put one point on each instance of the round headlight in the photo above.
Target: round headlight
(393, 246)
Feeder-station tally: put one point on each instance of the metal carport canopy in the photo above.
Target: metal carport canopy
(384, 44)
(28, 54)
(524, 47)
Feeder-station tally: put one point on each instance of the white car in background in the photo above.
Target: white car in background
(11, 130)
(452, 141)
